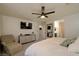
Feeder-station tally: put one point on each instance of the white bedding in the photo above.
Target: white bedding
(48, 47)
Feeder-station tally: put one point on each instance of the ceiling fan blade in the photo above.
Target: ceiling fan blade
(43, 8)
(49, 12)
(39, 16)
(46, 16)
(36, 13)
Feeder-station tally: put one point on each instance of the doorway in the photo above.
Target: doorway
(50, 30)
(59, 28)
(41, 33)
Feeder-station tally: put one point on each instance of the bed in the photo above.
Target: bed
(49, 47)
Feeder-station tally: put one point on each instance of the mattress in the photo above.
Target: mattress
(48, 47)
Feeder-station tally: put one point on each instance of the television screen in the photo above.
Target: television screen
(49, 27)
(29, 26)
(23, 25)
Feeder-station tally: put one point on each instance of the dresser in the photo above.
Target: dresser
(26, 38)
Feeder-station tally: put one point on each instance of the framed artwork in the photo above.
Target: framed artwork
(25, 25)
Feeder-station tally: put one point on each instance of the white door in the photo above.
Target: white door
(42, 33)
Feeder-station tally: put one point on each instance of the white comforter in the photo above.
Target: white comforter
(48, 47)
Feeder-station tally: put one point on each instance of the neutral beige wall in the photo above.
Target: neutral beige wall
(0, 24)
(71, 24)
(11, 25)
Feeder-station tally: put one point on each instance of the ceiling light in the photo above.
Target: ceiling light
(43, 16)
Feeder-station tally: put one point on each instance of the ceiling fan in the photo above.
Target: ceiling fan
(43, 14)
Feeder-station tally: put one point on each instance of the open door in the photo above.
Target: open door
(61, 29)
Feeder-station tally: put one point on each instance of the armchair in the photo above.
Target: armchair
(11, 46)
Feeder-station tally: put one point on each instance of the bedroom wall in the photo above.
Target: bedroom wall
(11, 25)
(0, 24)
(71, 25)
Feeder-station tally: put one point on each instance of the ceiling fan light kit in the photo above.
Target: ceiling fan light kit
(42, 17)
(43, 14)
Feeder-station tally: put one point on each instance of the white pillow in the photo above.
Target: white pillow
(74, 47)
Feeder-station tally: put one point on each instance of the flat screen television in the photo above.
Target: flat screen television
(49, 27)
(23, 25)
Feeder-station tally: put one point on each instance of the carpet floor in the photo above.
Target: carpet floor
(25, 46)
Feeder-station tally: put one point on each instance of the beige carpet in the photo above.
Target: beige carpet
(25, 46)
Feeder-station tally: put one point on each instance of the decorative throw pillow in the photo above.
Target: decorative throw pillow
(74, 47)
(67, 42)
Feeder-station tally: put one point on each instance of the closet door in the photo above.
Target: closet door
(61, 29)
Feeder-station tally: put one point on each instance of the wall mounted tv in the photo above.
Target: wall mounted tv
(25, 25)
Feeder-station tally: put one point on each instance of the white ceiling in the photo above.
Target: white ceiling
(24, 10)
